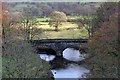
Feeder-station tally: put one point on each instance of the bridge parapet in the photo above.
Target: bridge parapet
(43, 41)
(59, 44)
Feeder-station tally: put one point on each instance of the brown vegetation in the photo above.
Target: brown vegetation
(103, 46)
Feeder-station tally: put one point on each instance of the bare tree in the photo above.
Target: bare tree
(30, 27)
(87, 19)
(57, 18)
(86, 22)
(19, 58)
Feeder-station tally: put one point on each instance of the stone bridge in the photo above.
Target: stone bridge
(58, 45)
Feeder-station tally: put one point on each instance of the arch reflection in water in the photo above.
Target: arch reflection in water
(73, 54)
(47, 57)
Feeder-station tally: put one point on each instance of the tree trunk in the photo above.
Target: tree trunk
(56, 28)
(89, 33)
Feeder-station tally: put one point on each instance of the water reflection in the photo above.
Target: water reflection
(72, 70)
(47, 57)
(73, 54)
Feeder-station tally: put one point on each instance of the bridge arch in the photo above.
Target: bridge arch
(45, 50)
(58, 45)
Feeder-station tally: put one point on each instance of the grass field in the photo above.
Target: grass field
(65, 30)
(73, 34)
(43, 19)
(68, 17)
(64, 26)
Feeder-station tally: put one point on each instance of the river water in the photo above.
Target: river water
(73, 71)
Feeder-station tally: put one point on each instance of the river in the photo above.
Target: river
(73, 71)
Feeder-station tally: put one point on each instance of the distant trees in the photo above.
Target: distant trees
(57, 18)
(31, 11)
(44, 9)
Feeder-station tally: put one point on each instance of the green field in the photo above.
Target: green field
(66, 30)
(64, 26)
(68, 17)
(43, 19)
(73, 34)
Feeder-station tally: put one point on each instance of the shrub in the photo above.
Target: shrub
(19, 59)
(24, 66)
(103, 47)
